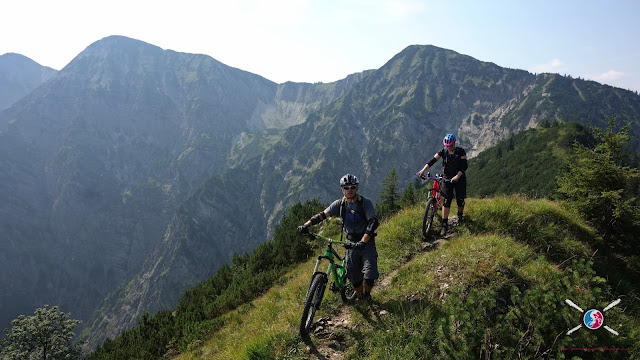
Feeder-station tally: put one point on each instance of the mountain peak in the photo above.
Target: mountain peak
(18, 62)
(121, 41)
(19, 75)
(15, 58)
(121, 49)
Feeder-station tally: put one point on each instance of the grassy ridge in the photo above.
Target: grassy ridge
(495, 289)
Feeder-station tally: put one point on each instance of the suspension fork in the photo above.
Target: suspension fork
(329, 256)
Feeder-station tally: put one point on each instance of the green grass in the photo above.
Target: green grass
(496, 289)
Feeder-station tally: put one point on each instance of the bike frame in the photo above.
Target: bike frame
(337, 271)
(434, 202)
(435, 191)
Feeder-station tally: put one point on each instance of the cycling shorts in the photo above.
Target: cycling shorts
(362, 263)
(460, 188)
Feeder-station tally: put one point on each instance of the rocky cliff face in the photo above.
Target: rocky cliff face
(97, 160)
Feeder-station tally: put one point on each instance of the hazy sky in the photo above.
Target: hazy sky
(326, 40)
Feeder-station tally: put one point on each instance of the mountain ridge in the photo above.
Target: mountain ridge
(140, 154)
(352, 135)
(111, 146)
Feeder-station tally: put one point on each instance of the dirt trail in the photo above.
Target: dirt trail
(331, 343)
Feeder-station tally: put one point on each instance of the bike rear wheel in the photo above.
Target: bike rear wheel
(312, 302)
(347, 293)
(427, 219)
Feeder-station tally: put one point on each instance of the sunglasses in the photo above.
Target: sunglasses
(349, 187)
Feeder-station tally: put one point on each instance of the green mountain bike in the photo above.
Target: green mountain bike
(319, 280)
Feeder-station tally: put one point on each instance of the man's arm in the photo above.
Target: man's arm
(372, 225)
(317, 218)
(426, 167)
(463, 167)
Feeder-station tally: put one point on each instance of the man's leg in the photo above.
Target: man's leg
(358, 290)
(368, 285)
(354, 270)
(369, 269)
(445, 214)
(447, 195)
(445, 220)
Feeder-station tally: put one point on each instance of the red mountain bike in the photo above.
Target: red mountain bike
(433, 203)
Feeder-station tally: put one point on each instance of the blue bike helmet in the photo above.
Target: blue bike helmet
(449, 140)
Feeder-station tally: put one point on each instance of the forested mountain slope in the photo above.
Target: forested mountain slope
(527, 163)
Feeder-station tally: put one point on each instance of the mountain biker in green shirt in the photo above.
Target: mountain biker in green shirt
(454, 165)
(359, 223)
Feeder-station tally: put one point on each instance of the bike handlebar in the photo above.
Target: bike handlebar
(428, 176)
(330, 240)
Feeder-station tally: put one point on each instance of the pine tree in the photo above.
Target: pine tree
(598, 183)
(409, 196)
(389, 195)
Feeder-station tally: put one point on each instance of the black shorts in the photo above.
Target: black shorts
(362, 263)
(460, 189)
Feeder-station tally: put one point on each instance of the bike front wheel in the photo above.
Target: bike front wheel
(312, 302)
(427, 219)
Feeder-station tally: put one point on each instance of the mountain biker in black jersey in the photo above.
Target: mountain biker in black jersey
(454, 166)
(359, 223)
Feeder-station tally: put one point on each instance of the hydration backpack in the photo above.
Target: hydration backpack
(360, 211)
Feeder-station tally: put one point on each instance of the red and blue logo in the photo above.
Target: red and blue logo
(593, 319)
